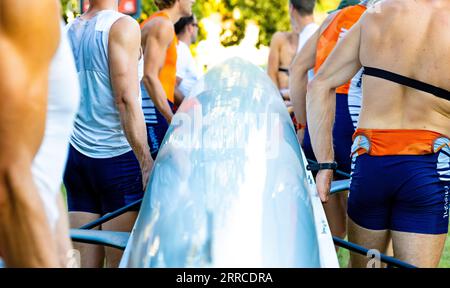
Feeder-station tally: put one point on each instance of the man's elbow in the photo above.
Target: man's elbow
(315, 92)
(122, 99)
(298, 70)
(149, 79)
(319, 82)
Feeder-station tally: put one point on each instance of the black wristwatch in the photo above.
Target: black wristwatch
(322, 166)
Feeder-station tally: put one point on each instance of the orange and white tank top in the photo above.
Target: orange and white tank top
(339, 26)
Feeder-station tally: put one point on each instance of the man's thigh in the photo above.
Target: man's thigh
(421, 250)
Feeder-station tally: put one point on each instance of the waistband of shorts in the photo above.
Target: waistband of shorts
(383, 142)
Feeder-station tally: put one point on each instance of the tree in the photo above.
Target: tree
(270, 15)
(70, 8)
(148, 8)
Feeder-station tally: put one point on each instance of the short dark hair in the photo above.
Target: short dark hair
(180, 26)
(304, 7)
(164, 4)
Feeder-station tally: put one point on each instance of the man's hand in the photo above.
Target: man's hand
(300, 136)
(146, 164)
(285, 95)
(323, 184)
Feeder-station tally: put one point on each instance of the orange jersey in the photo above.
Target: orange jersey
(168, 73)
(342, 22)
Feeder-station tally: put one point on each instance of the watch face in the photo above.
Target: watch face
(130, 7)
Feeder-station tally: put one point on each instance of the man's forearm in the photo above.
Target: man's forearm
(26, 240)
(298, 84)
(274, 78)
(179, 97)
(321, 109)
(158, 96)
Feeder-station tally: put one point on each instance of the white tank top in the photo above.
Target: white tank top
(303, 37)
(98, 132)
(63, 100)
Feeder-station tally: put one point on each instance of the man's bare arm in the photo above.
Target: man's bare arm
(158, 40)
(179, 96)
(303, 62)
(340, 67)
(124, 51)
(25, 235)
(298, 80)
(273, 63)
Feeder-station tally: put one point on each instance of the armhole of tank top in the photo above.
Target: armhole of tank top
(106, 23)
(69, 25)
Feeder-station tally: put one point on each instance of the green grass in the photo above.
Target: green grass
(64, 194)
(344, 255)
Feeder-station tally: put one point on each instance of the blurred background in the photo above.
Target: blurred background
(227, 28)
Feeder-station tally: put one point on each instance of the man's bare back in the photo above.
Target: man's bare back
(286, 44)
(414, 44)
(401, 168)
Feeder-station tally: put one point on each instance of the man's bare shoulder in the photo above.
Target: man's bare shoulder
(328, 21)
(38, 13)
(40, 30)
(384, 9)
(160, 29)
(279, 38)
(280, 35)
(125, 25)
(158, 25)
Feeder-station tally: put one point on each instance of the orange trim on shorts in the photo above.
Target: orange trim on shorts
(385, 142)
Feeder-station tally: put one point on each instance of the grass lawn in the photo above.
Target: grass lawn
(343, 256)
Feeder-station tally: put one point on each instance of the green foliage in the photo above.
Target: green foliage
(270, 15)
(148, 8)
(70, 8)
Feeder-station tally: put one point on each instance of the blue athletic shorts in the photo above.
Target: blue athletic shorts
(157, 131)
(342, 137)
(101, 186)
(406, 193)
(156, 134)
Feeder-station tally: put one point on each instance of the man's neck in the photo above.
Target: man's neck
(97, 6)
(173, 13)
(185, 38)
(304, 21)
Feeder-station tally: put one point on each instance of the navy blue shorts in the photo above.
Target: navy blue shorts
(157, 131)
(101, 186)
(342, 137)
(406, 193)
(155, 136)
